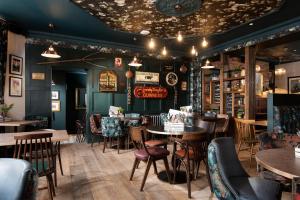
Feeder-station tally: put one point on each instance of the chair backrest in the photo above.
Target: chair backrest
(95, 122)
(196, 142)
(223, 164)
(18, 179)
(222, 124)
(208, 126)
(245, 129)
(38, 149)
(136, 136)
(111, 127)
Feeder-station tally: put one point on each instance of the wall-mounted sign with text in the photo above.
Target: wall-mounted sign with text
(146, 77)
(150, 92)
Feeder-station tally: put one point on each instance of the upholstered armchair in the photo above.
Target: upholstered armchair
(18, 179)
(111, 128)
(228, 178)
(95, 124)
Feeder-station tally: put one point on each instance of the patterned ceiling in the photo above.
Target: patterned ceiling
(213, 16)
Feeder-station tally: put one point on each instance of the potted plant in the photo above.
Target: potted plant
(4, 109)
(240, 113)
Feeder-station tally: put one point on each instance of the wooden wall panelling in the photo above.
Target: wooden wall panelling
(224, 61)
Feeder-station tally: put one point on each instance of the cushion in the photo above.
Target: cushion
(152, 143)
(156, 152)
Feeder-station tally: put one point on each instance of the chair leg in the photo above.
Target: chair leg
(136, 162)
(118, 144)
(92, 141)
(146, 173)
(55, 172)
(49, 188)
(104, 143)
(174, 169)
(59, 160)
(239, 147)
(155, 167)
(251, 153)
(167, 168)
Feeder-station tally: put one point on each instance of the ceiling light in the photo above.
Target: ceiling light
(251, 24)
(179, 37)
(151, 44)
(50, 53)
(204, 43)
(135, 63)
(280, 71)
(257, 68)
(193, 51)
(207, 65)
(145, 32)
(164, 51)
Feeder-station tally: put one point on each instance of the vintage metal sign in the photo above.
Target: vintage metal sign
(150, 92)
(146, 77)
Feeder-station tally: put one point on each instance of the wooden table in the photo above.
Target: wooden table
(281, 161)
(187, 130)
(7, 139)
(18, 123)
(263, 123)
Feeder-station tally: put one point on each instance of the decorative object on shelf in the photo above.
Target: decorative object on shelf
(108, 81)
(55, 106)
(153, 92)
(50, 53)
(118, 62)
(15, 86)
(294, 85)
(240, 113)
(146, 77)
(129, 92)
(183, 69)
(183, 85)
(4, 109)
(55, 95)
(237, 72)
(37, 76)
(135, 63)
(15, 65)
(243, 72)
(171, 79)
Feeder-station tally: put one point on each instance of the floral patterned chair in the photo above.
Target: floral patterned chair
(163, 118)
(111, 128)
(133, 122)
(95, 124)
(229, 179)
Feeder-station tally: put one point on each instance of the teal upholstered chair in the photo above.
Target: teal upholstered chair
(228, 178)
(133, 122)
(111, 128)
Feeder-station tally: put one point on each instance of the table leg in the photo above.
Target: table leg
(15, 129)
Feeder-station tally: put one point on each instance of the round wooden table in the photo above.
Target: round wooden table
(281, 161)
(181, 175)
(187, 130)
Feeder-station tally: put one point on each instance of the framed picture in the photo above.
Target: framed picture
(55, 106)
(55, 95)
(171, 79)
(15, 86)
(146, 77)
(108, 81)
(15, 65)
(38, 76)
(294, 85)
(118, 62)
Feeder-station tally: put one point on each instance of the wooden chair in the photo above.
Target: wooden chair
(222, 125)
(146, 154)
(79, 131)
(39, 151)
(192, 150)
(246, 136)
(95, 124)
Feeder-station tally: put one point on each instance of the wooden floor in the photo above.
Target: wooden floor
(90, 174)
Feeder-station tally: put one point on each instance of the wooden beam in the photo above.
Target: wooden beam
(224, 62)
(250, 95)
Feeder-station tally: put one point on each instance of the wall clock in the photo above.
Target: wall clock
(171, 79)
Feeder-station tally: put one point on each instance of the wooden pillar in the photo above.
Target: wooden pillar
(224, 62)
(250, 94)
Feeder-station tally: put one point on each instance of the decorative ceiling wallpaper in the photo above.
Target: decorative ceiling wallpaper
(213, 16)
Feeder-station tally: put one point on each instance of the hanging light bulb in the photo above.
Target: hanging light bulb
(207, 65)
(193, 51)
(135, 63)
(164, 51)
(179, 37)
(50, 53)
(204, 42)
(151, 44)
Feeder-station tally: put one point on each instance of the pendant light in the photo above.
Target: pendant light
(179, 37)
(207, 65)
(151, 44)
(204, 42)
(135, 63)
(193, 51)
(164, 51)
(50, 53)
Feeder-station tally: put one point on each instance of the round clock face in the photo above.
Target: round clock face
(171, 79)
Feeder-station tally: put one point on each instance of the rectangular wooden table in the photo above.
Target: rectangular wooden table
(7, 139)
(18, 123)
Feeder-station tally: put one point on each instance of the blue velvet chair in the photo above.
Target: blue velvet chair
(18, 180)
(111, 128)
(228, 178)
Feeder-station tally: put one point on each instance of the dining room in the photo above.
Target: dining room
(143, 99)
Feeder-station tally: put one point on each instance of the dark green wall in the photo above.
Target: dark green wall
(100, 102)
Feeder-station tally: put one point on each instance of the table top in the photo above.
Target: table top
(187, 130)
(253, 122)
(281, 161)
(7, 139)
(19, 122)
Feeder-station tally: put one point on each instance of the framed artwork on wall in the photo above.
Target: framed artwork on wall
(15, 86)
(171, 79)
(118, 62)
(38, 76)
(15, 65)
(294, 85)
(55, 106)
(146, 77)
(108, 81)
(55, 95)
